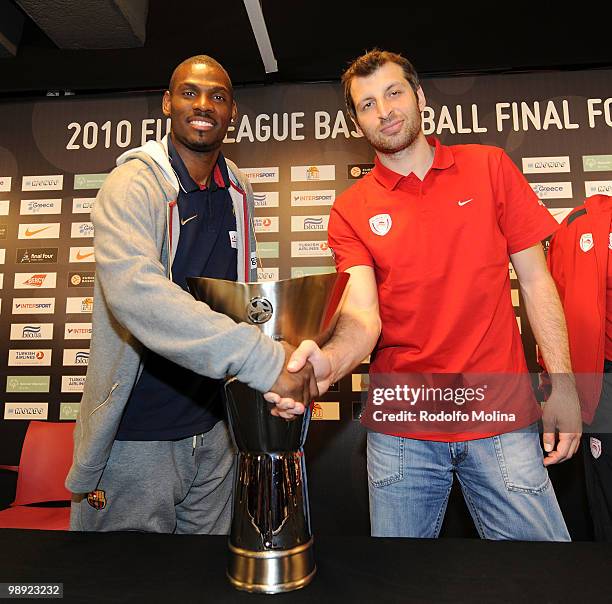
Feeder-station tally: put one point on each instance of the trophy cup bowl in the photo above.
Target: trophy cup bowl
(271, 540)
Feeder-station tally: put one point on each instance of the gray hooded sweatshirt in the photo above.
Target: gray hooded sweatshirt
(137, 306)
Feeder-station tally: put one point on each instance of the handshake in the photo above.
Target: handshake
(305, 376)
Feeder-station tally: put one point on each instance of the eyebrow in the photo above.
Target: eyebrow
(214, 88)
(391, 85)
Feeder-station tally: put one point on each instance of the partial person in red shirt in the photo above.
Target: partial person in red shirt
(427, 237)
(579, 261)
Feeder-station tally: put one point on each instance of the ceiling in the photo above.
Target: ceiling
(62, 43)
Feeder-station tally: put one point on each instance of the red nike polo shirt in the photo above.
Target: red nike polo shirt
(440, 250)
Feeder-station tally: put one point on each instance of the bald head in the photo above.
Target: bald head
(198, 60)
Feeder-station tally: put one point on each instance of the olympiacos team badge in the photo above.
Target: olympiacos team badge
(381, 224)
(586, 241)
(595, 447)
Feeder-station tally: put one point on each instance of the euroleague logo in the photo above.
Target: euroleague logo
(259, 310)
(381, 224)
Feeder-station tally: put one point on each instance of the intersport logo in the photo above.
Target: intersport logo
(324, 197)
(40, 206)
(35, 280)
(546, 165)
(76, 357)
(33, 306)
(39, 231)
(26, 411)
(255, 175)
(77, 331)
(30, 358)
(42, 183)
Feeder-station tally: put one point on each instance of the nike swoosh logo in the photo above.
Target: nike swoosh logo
(186, 220)
(29, 233)
(462, 203)
(80, 256)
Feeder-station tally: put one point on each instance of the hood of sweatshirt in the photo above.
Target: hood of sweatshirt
(158, 152)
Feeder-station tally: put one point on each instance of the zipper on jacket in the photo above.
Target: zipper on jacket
(115, 386)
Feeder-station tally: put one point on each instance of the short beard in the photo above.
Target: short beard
(202, 147)
(406, 138)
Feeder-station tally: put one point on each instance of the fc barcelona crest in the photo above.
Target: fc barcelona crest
(381, 224)
(97, 499)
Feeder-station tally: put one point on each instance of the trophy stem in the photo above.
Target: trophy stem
(271, 541)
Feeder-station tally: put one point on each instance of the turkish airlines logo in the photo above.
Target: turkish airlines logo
(381, 224)
(586, 242)
(29, 358)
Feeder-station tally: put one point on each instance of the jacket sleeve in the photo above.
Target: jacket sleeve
(161, 315)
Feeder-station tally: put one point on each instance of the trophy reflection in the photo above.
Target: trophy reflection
(271, 540)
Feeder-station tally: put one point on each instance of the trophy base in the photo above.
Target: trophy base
(271, 572)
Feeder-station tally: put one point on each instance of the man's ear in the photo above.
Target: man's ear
(357, 127)
(421, 99)
(166, 103)
(234, 111)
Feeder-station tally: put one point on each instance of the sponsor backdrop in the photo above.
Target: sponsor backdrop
(300, 150)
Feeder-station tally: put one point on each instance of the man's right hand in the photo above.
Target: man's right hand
(293, 390)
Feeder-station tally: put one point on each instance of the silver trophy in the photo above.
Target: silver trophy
(271, 540)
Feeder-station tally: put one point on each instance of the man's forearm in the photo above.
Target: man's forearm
(354, 338)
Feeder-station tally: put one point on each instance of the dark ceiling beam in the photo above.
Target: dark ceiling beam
(90, 24)
(11, 27)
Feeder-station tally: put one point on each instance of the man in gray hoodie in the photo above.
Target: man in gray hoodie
(152, 452)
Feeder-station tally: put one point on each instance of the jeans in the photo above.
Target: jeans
(503, 480)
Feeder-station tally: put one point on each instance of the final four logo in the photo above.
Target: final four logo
(381, 224)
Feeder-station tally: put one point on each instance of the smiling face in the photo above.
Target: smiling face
(200, 104)
(387, 110)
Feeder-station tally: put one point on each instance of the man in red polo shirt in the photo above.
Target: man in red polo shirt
(427, 237)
